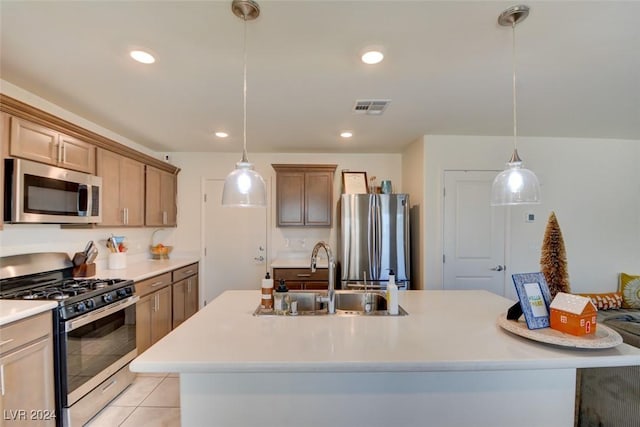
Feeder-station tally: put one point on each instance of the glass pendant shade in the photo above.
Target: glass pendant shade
(244, 187)
(515, 185)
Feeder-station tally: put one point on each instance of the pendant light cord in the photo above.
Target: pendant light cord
(244, 94)
(513, 68)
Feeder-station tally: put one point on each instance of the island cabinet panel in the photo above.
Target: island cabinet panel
(302, 278)
(26, 372)
(153, 311)
(185, 293)
(41, 144)
(160, 198)
(304, 195)
(122, 189)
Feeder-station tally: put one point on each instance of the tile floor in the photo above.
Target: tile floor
(153, 400)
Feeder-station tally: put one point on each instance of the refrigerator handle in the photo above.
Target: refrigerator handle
(371, 237)
(378, 240)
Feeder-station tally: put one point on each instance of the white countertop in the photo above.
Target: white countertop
(444, 331)
(143, 268)
(12, 310)
(138, 268)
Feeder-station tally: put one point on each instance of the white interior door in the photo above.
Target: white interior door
(235, 244)
(474, 233)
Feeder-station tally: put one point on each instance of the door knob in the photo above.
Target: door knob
(498, 268)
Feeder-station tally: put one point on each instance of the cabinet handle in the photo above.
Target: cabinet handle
(304, 275)
(58, 152)
(189, 286)
(188, 272)
(64, 153)
(158, 283)
(1, 380)
(108, 386)
(126, 216)
(156, 303)
(5, 342)
(164, 217)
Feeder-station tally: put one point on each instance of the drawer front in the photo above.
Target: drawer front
(147, 286)
(299, 274)
(184, 272)
(23, 331)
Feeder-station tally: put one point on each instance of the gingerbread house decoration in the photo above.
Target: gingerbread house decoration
(573, 314)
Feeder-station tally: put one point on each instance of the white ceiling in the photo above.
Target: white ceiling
(447, 70)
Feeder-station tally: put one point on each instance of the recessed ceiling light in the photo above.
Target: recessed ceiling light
(222, 134)
(142, 56)
(346, 134)
(372, 57)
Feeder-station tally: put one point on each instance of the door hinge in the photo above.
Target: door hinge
(205, 251)
(443, 261)
(205, 198)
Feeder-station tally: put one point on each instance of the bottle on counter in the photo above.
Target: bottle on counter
(267, 292)
(281, 298)
(392, 294)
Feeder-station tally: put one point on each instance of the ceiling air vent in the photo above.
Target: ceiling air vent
(371, 106)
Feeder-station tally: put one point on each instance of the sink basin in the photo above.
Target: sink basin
(348, 303)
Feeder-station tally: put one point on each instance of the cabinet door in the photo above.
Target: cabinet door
(161, 317)
(31, 141)
(132, 191)
(318, 198)
(77, 155)
(144, 310)
(160, 198)
(290, 198)
(26, 383)
(191, 299)
(179, 302)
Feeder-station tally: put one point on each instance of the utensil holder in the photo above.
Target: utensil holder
(84, 270)
(117, 260)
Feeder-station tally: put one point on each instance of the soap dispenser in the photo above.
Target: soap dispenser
(392, 294)
(267, 292)
(281, 298)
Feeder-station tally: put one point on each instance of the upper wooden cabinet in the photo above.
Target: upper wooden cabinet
(31, 141)
(304, 195)
(160, 198)
(122, 190)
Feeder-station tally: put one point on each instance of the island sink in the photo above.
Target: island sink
(347, 303)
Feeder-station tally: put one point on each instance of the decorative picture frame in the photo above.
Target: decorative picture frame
(354, 182)
(535, 299)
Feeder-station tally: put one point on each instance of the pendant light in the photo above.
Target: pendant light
(244, 187)
(515, 185)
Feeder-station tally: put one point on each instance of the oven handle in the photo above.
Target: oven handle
(70, 325)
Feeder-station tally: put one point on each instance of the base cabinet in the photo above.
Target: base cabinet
(302, 278)
(153, 311)
(165, 302)
(185, 293)
(26, 372)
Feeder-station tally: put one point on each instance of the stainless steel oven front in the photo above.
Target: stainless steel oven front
(94, 351)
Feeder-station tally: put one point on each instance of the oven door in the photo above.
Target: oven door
(96, 345)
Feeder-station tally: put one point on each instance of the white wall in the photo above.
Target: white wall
(199, 166)
(592, 185)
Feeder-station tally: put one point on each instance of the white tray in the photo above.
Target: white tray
(604, 337)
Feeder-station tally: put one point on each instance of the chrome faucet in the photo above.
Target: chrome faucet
(331, 265)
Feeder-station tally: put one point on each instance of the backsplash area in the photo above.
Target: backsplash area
(32, 238)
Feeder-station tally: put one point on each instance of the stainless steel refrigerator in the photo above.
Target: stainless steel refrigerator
(374, 238)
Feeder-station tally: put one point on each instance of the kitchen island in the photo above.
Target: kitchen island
(445, 364)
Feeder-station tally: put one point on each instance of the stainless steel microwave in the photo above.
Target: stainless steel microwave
(39, 193)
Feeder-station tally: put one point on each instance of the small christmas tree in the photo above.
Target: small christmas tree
(553, 260)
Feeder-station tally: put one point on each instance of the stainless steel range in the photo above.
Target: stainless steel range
(94, 329)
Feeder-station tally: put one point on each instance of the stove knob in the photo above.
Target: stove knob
(107, 298)
(90, 304)
(122, 292)
(80, 307)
